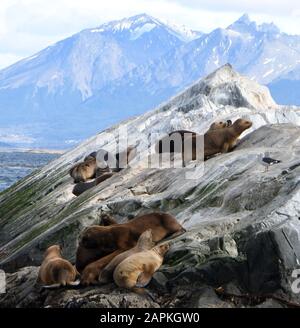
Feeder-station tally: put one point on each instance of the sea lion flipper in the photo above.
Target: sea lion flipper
(143, 279)
(225, 148)
(74, 283)
(53, 286)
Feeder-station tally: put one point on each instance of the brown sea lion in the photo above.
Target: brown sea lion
(84, 171)
(56, 271)
(137, 270)
(90, 168)
(99, 245)
(119, 160)
(144, 243)
(218, 140)
(224, 140)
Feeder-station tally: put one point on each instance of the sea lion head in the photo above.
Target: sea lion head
(218, 125)
(96, 237)
(107, 219)
(242, 124)
(53, 250)
(162, 249)
(145, 241)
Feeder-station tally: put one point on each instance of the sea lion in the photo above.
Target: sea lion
(144, 243)
(217, 125)
(223, 140)
(137, 270)
(56, 271)
(98, 245)
(101, 173)
(84, 171)
(218, 140)
(81, 187)
(229, 123)
(94, 165)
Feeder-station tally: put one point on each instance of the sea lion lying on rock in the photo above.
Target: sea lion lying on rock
(220, 140)
(96, 165)
(117, 161)
(216, 140)
(84, 171)
(144, 243)
(137, 270)
(98, 245)
(224, 140)
(56, 271)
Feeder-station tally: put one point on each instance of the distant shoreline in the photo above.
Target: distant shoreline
(34, 151)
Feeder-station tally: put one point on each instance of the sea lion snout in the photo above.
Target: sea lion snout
(249, 123)
(243, 122)
(246, 123)
(162, 249)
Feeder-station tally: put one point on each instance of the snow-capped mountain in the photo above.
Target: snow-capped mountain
(102, 75)
(44, 92)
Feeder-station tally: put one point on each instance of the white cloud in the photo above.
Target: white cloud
(27, 26)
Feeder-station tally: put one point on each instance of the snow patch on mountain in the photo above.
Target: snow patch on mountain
(139, 31)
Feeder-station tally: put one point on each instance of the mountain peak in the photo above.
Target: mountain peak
(225, 86)
(223, 74)
(244, 19)
(245, 25)
(269, 28)
(142, 23)
(128, 23)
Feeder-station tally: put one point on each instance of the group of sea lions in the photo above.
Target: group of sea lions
(124, 253)
(221, 137)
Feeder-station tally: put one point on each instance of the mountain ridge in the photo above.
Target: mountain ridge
(120, 69)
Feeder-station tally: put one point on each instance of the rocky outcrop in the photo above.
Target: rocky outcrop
(243, 226)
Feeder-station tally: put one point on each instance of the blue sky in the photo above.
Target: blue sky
(27, 26)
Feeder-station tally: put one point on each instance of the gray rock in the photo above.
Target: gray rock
(23, 291)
